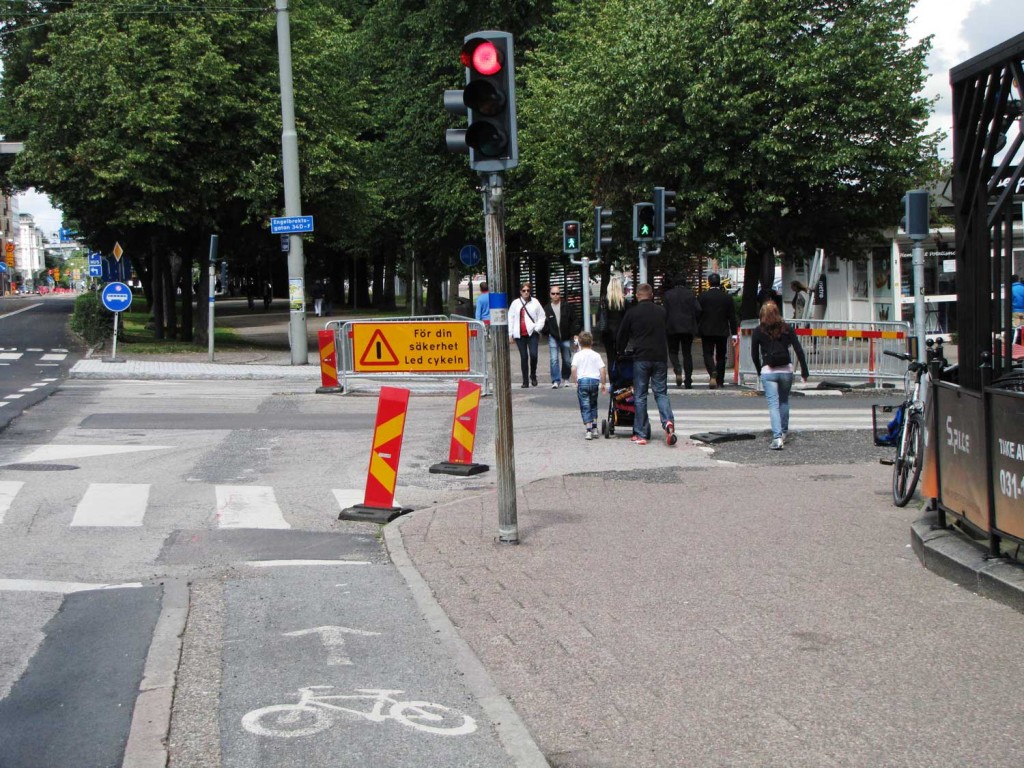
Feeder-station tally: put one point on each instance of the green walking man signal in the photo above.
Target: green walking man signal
(643, 222)
(570, 237)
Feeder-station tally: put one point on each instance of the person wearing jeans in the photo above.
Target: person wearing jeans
(525, 321)
(589, 373)
(643, 332)
(560, 327)
(769, 347)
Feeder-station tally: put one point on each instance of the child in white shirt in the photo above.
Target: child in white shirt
(589, 375)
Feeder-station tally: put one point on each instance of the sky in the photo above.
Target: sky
(961, 29)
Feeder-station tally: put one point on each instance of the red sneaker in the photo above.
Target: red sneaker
(670, 433)
(640, 440)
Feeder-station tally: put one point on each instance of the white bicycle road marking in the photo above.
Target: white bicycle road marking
(49, 453)
(60, 587)
(315, 712)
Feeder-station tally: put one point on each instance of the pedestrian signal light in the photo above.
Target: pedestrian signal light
(643, 222)
(489, 101)
(570, 237)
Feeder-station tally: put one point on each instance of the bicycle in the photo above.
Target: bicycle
(314, 712)
(906, 466)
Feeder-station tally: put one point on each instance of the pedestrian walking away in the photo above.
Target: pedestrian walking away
(609, 317)
(769, 348)
(525, 321)
(560, 327)
(590, 376)
(642, 335)
(318, 297)
(682, 311)
(717, 325)
(483, 305)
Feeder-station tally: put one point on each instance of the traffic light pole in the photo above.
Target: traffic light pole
(584, 263)
(504, 450)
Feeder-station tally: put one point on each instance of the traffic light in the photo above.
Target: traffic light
(915, 214)
(643, 222)
(602, 241)
(570, 237)
(664, 213)
(489, 100)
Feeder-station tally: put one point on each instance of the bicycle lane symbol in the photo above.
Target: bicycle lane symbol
(316, 711)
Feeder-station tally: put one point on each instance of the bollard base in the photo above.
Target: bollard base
(463, 470)
(367, 514)
(328, 390)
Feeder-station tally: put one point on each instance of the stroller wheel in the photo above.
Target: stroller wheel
(604, 428)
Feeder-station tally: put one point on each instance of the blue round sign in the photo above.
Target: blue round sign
(116, 297)
(469, 255)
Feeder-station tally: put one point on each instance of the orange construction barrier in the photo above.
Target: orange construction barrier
(328, 362)
(378, 501)
(460, 454)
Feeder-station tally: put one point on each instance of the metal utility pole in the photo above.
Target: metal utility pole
(292, 193)
(585, 263)
(504, 449)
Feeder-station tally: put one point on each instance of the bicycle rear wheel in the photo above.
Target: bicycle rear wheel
(906, 470)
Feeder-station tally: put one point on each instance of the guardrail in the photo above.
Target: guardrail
(347, 355)
(840, 349)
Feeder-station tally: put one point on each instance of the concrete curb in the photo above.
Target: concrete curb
(151, 718)
(511, 730)
(954, 556)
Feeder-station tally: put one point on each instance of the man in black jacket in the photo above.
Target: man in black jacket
(560, 327)
(643, 331)
(682, 310)
(717, 324)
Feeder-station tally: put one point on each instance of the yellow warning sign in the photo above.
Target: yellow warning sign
(438, 347)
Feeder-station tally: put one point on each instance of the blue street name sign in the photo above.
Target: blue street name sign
(289, 225)
(116, 297)
(469, 255)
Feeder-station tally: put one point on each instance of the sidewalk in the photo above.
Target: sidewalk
(740, 616)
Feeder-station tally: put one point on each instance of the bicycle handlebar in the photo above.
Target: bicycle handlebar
(900, 355)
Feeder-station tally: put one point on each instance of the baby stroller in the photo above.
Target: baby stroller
(621, 408)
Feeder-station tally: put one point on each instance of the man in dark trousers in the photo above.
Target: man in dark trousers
(560, 327)
(643, 331)
(717, 324)
(682, 311)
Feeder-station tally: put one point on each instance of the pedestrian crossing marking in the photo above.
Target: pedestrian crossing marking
(11, 355)
(8, 490)
(28, 389)
(248, 506)
(13, 397)
(54, 357)
(112, 505)
(48, 453)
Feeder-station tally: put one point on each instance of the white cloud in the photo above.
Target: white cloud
(46, 217)
(961, 30)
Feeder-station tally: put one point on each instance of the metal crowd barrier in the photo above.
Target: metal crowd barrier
(350, 379)
(840, 349)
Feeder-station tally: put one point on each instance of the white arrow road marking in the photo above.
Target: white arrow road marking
(112, 505)
(8, 490)
(333, 639)
(248, 506)
(60, 587)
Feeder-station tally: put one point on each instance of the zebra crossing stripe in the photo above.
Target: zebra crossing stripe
(248, 506)
(112, 505)
(8, 490)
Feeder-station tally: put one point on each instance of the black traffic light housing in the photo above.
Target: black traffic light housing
(664, 212)
(602, 228)
(489, 100)
(915, 214)
(643, 222)
(570, 237)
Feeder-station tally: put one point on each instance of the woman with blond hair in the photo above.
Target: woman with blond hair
(609, 317)
(769, 347)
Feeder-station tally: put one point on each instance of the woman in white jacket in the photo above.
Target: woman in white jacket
(525, 322)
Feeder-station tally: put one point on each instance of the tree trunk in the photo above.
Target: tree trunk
(157, 281)
(170, 314)
(185, 281)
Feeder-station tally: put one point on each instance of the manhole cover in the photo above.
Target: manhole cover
(40, 467)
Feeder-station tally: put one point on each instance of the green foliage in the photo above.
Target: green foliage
(90, 319)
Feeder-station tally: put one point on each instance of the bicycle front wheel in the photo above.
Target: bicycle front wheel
(906, 470)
